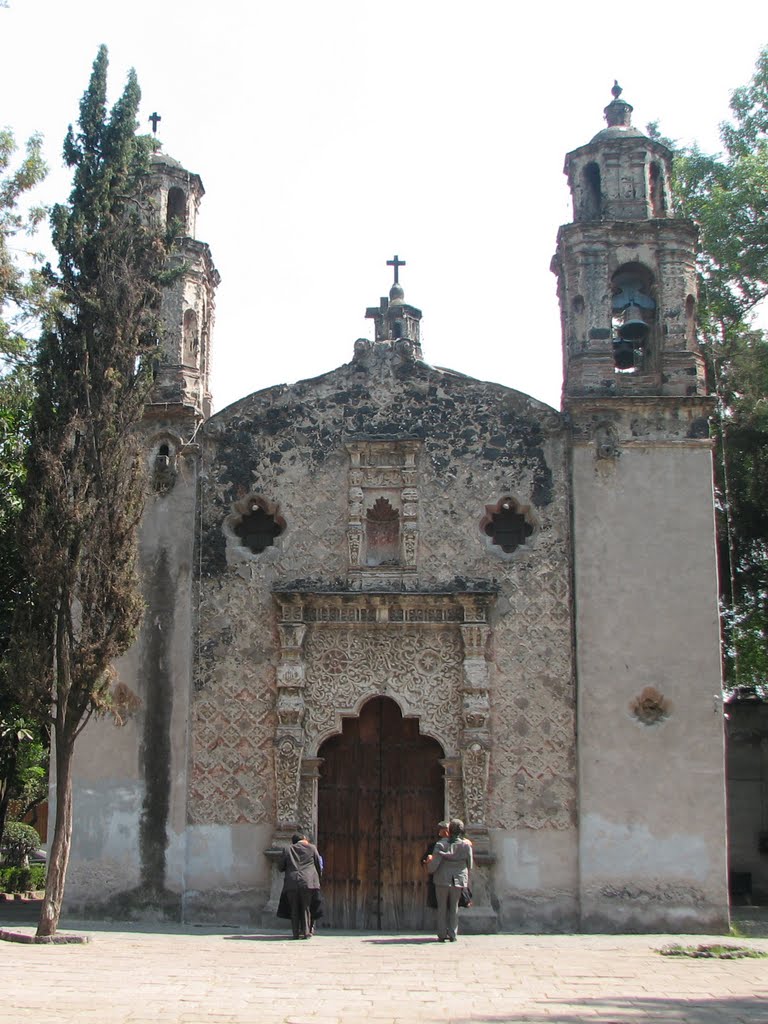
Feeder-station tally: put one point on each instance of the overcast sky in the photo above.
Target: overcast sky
(331, 135)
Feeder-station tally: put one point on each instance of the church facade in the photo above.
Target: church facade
(394, 593)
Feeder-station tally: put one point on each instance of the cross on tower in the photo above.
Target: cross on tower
(154, 118)
(396, 263)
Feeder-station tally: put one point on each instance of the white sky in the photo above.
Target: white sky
(332, 134)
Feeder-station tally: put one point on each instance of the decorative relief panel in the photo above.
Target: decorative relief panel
(420, 668)
(233, 736)
(533, 771)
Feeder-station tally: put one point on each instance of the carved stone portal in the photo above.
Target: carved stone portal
(426, 651)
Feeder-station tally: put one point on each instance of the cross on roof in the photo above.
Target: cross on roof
(396, 263)
(154, 118)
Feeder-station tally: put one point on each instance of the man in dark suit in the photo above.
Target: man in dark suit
(302, 866)
(442, 833)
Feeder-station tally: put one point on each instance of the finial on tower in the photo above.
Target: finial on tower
(154, 117)
(618, 113)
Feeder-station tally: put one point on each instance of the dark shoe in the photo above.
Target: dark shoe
(452, 938)
(441, 940)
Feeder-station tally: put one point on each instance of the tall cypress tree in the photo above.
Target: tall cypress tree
(85, 490)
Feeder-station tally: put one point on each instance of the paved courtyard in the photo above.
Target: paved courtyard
(145, 975)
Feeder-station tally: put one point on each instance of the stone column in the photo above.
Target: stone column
(289, 736)
(289, 742)
(410, 498)
(310, 774)
(454, 787)
(475, 737)
(475, 756)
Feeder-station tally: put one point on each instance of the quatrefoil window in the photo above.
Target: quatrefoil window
(507, 525)
(258, 526)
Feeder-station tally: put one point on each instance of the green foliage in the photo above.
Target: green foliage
(84, 489)
(713, 950)
(727, 195)
(16, 394)
(25, 301)
(18, 841)
(23, 747)
(22, 879)
(24, 294)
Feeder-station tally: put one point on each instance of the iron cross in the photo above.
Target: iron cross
(154, 118)
(396, 263)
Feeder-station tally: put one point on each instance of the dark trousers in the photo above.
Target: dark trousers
(299, 901)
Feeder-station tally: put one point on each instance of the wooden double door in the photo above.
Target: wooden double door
(380, 796)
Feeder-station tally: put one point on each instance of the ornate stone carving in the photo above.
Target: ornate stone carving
(310, 773)
(410, 541)
(287, 765)
(475, 773)
(534, 767)
(651, 706)
(454, 788)
(420, 668)
(417, 648)
(233, 748)
(382, 475)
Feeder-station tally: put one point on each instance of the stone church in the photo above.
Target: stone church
(393, 593)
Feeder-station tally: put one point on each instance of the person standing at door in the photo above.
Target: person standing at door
(442, 833)
(303, 867)
(450, 864)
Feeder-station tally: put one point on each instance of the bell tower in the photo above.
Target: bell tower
(626, 270)
(182, 370)
(652, 849)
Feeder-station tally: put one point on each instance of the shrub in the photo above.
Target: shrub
(22, 879)
(19, 840)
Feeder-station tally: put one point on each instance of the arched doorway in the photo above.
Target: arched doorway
(380, 796)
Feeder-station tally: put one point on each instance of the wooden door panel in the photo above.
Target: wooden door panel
(379, 799)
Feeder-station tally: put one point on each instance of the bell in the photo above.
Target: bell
(634, 328)
(624, 353)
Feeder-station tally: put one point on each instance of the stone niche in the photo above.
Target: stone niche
(382, 528)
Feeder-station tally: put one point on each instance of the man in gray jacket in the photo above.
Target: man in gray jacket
(450, 864)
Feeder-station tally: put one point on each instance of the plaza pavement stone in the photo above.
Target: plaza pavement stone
(156, 974)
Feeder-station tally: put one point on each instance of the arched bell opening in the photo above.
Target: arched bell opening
(592, 200)
(633, 309)
(176, 209)
(381, 792)
(656, 190)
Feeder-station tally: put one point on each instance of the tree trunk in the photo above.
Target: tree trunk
(5, 793)
(58, 857)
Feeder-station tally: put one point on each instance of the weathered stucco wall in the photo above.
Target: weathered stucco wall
(130, 780)
(652, 805)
